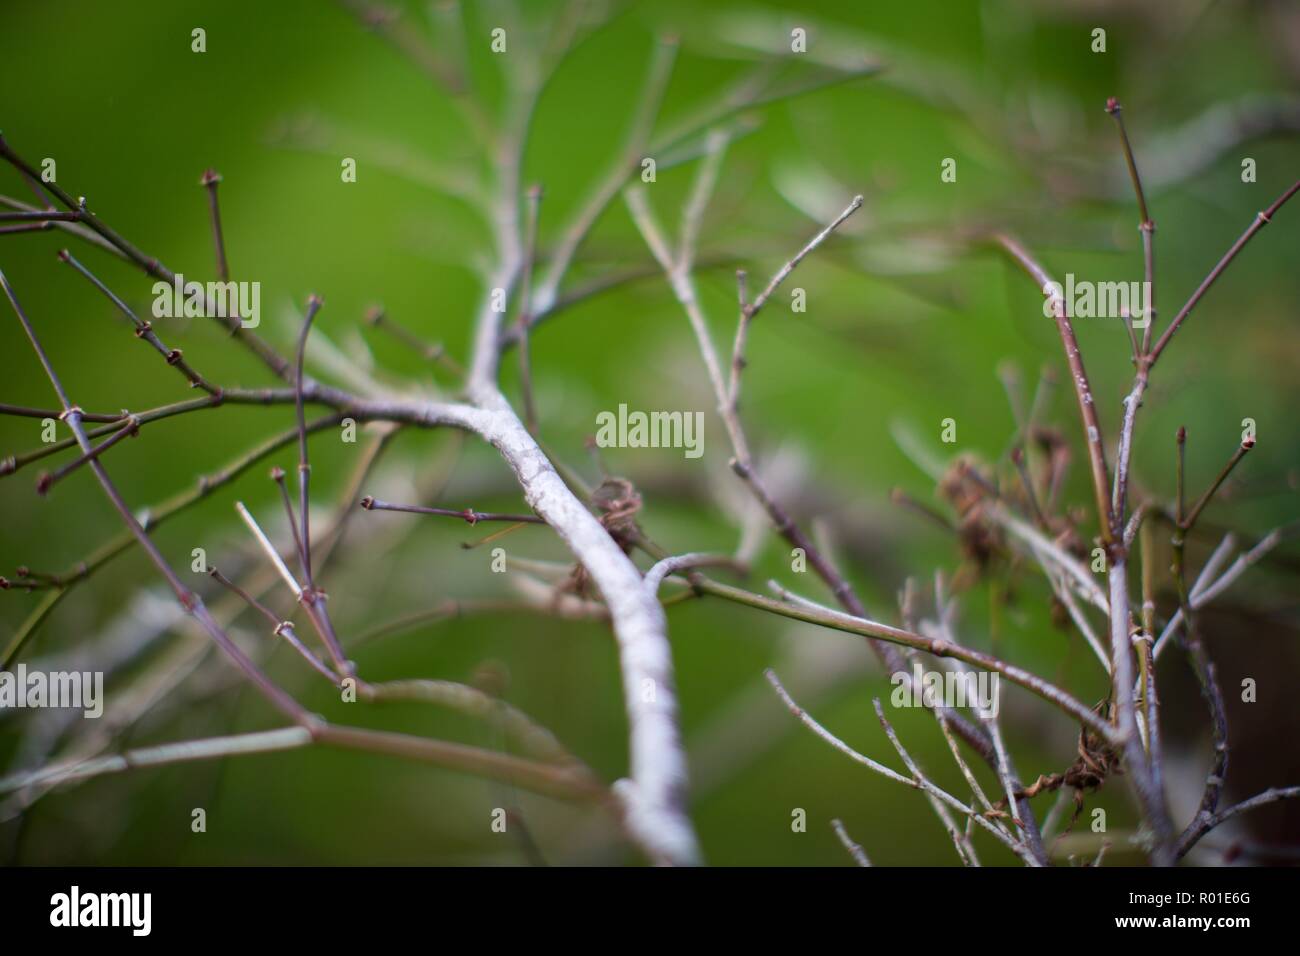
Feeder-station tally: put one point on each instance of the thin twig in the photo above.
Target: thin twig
(1261, 220)
(210, 179)
(469, 515)
(855, 850)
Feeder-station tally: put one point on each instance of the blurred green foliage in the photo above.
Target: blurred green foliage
(902, 327)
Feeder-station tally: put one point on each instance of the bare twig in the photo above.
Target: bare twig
(469, 515)
(210, 179)
(855, 850)
(1261, 220)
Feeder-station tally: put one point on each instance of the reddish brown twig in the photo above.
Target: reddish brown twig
(1082, 389)
(48, 479)
(1261, 220)
(188, 600)
(279, 627)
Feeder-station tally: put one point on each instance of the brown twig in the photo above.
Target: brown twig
(210, 179)
(188, 600)
(1261, 220)
(1082, 389)
(143, 330)
(469, 515)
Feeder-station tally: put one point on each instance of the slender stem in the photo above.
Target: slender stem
(42, 216)
(1240, 453)
(1261, 220)
(784, 272)
(1202, 665)
(154, 516)
(116, 423)
(1114, 109)
(210, 179)
(525, 320)
(48, 479)
(917, 782)
(277, 475)
(748, 310)
(143, 330)
(377, 318)
(270, 550)
(1204, 825)
(189, 601)
(23, 411)
(304, 463)
(1082, 390)
(683, 289)
(1151, 800)
(580, 225)
(279, 627)
(1027, 483)
(266, 741)
(939, 647)
(469, 515)
(152, 267)
(854, 849)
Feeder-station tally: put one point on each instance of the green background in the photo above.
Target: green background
(903, 326)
